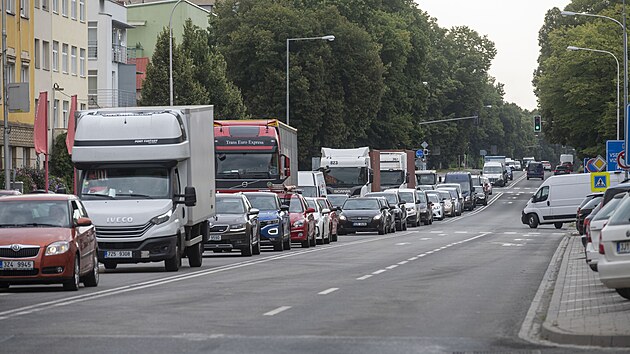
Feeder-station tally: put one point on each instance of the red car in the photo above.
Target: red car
(46, 239)
(302, 219)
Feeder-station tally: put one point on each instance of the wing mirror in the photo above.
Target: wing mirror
(253, 211)
(284, 208)
(83, 222)
(190, 197)
(310, 210)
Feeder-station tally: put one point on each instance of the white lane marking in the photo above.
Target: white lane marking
(327, 291)
(4, 294)
(509, 202)
(557, 234)
(412, 258)
(402, 243)
(379, 271)
(436, 232)
(509, 233)
(425, 238)
(277, 311)
(402, 262)
(522, 239)
(461, 232)
(365, 277)
(422, 255)
(532, 233)
(392, 266)
(443, 235)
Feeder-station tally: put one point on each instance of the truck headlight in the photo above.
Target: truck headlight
(58, 247)
(161, 219)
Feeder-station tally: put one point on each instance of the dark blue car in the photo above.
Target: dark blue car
(535, 170)
(275, 225)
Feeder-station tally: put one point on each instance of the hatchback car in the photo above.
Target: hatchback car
(275, 225)
(447, 202)
(47, 239)
(546, 165)
(561, 170)
(302, 219)
(235, 226)
(425, 207)
(412, 206)
(614, 249)
(481, 198)
(585, 209)
(333, 219)
(363, 214)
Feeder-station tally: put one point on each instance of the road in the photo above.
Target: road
(463, 284)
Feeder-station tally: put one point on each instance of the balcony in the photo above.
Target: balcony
(108, 98)
(123, 55)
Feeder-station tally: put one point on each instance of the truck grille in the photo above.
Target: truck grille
(7, 252)
(123, 231)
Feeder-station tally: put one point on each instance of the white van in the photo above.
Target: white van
(557, 199)
(312, 183)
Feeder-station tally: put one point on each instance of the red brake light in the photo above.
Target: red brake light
(601, 245)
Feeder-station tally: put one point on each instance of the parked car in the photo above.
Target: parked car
(546, 165)
(399, 210)
(585, 209)
(334, 217)
(595, 227)
(614, 249)
(535, 170)
(275, 223)
(5, 192)
(408, 196)
(363, 214)
(322, 221)
(337, 200)
(457, 206)
(426, 210)
(447, 202)
(235, 226)
(47, 239)
(302, 219)
(437, 205)
(561, 170)
(481, 197)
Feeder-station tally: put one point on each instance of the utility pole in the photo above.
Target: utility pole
(5, 100)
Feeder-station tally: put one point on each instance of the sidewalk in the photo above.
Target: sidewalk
(582, 310)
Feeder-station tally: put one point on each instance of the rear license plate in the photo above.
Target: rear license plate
(17, 265)
(118, 254)
(359, 224)
(215, 237)
(623, 247)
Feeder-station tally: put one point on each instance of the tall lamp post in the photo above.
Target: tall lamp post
(170, 53)
(573, 48)
(5, 99)
(625, 66)
(329, 38)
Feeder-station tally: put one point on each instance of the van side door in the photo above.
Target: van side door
(541, 202)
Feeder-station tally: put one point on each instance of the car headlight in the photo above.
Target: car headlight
(377, 217)
(58, 247)
(342, 217)
(237, 227)
(298, 223)
(468, 198)
(161, 219)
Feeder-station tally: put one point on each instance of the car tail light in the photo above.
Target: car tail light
(587, 231)
(601, 244)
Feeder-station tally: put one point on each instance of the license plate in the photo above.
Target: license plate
(17, 265)
(215, 237)
(359, 224)
(623, 247)
(118, 254)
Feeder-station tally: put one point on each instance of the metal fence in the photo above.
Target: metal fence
(106, 98)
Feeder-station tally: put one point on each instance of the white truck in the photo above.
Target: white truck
(394, 173)
(146, 179)
(347, 171)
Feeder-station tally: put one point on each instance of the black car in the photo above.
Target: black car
(235, 226)
(396, 206)
(535, 170)
(481, 198)
(363, 214)
(425, 207)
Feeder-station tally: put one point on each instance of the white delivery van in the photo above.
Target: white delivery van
(312, 183)
(557, 199)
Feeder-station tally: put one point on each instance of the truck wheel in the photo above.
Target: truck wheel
(110, 265)
(195, 254)
(532, 221)
(172, 264)
(558, 225)
(73, 283)
(92, 278)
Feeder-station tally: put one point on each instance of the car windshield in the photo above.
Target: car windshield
(609, 209)
(126, 183)
(392, 177)
(263, 202)
(309, 191)
(391, 197)
(426, 178)
(446, 194)
(406, 196)
(322, 204)
(361, 204)
(294, 203)
(492, 170)
(592, 203)
(337, 200)
(433, 198)
(312, 204)
(421, 197)
(239, 165)
(32, 213)
(230, 205)
(479, 189)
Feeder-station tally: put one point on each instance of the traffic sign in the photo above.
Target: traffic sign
(621, 161)
(483, 152)
(600, 181)
(419, 153)
(596, 164)
(613, 148)
(424, 145)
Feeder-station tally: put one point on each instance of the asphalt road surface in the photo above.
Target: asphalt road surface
(460, 285)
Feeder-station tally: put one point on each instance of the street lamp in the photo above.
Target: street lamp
(170, 52)
(329, 38)
(625, 67)
(573, 48)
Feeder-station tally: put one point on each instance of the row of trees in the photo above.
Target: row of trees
(390, 67)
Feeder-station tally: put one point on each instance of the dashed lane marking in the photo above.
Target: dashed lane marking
(392, 266)
(402, 243)
(509, 233)
(327, 291)
(365, 277)
(436, 232)
(461, 232)
(379, 271)
(425, 239)
(402, 262)
(277, 311)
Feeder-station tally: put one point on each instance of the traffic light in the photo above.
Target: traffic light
(537, 124)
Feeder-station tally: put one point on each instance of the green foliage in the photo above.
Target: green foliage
(60, 165)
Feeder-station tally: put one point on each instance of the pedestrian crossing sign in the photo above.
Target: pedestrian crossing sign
(600, 181)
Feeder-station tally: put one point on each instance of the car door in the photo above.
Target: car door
(84, 236)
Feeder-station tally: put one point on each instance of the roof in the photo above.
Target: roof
(141, 71)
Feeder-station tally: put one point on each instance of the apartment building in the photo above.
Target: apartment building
(60, 58)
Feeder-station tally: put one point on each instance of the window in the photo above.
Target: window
(37, 54)
(82, 62)
(92, 87)
(73, 9)
(10, 6)
(64, 58)
(55, 56)
(92, 40)
(82, 10)
(45, 5)
(24, 73)
(11, 71)
(64, 113)
(73, 60)
(24, 8)
(64, 8)
(55, 6)
(83, 106)
(36, 4)
(55, 114)
(26, 156)
(541, 195)
(46, 55)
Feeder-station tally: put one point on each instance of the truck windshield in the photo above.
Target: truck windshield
(492, 170)
(392, 177)
(428, 178)
(126, 183)
(346, 176)
(246, 165)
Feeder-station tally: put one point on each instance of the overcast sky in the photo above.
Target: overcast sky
(513, 27)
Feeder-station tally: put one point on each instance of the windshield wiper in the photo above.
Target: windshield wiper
(135, 195)
(32, 224)
(98, 195)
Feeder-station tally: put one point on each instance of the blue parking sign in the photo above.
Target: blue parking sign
(419, 153)
(613, 148)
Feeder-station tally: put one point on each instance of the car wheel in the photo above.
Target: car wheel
(319, 241)
(382, 230)
(172, 264)
(247, 250)
(195, 254)
(256, 248)
(92, 278)
(313, 240)
(558, 225)
(328, 239)
(278, 246)
(110, 265)
(593, 267)
(4, 286)
(532, 221)
(624, 292)
(73, 283)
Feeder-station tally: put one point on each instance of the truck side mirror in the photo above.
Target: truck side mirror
(190, 197)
